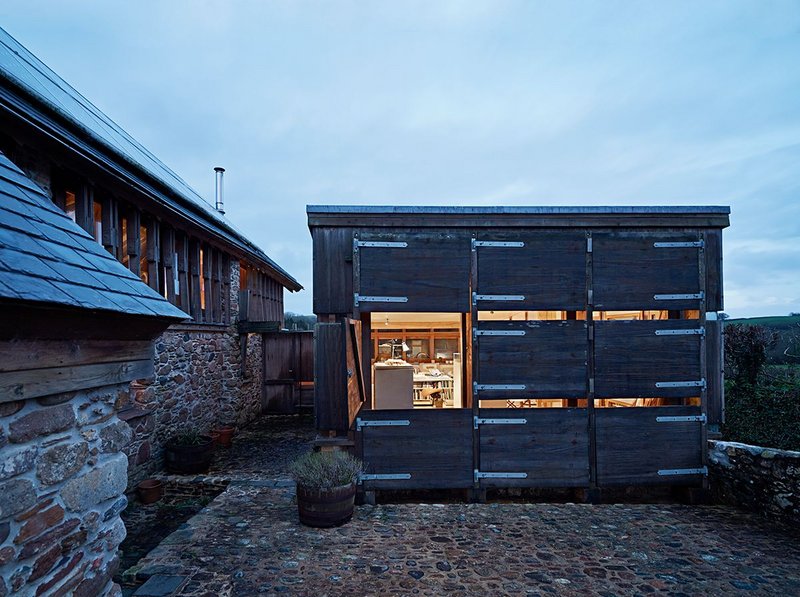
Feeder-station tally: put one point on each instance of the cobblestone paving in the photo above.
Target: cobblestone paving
(248, 542)
(265, 448)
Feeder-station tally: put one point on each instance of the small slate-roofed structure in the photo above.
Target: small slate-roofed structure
(45, 257)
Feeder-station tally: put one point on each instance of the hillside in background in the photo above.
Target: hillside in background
(788, 328)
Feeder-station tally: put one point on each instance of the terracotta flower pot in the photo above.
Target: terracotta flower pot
(150, 491)
(215, 437)
(225, 435)
(325, 508)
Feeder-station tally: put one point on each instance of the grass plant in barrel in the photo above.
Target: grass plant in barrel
(326, 487)
(188, 453)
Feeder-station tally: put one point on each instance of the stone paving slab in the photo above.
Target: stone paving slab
(248, 542)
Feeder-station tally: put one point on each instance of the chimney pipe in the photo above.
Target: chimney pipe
(220, 203)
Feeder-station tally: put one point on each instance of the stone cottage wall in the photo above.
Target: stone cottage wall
(199, 383)
(199, 379)
(62, 485)
(759, 479)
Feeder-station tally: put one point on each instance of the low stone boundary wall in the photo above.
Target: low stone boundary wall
(759, 479)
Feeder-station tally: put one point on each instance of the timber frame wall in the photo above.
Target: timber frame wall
(462, 260)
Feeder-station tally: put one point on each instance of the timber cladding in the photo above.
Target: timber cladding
(435, 448)
(614, 378)
(550, 359)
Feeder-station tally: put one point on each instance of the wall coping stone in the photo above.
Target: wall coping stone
(761, 451)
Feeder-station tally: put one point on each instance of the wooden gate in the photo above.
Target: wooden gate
(288, 371)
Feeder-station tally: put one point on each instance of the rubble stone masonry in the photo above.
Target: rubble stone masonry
(62, 487)
(760, 479)
(200, 382)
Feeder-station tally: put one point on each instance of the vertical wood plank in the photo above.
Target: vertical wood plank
(216, 286)
(134, 222)
(226, 286)
(590, 364)
(475, 398)
(182, 242)
(168, 261)
(110, 222)
(194, 276)
(84, 207)
(206, 273)
(153, 254)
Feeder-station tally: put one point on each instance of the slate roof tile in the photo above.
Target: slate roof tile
(45, 257)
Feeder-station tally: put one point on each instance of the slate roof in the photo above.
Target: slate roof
(28, 74)
(47, 258)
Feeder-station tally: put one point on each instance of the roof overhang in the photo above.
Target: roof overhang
(715, 216)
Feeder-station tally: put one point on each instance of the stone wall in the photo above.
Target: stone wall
(62, 485)
(759, 479)
(199, 383)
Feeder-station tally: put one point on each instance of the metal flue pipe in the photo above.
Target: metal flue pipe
(220, 202)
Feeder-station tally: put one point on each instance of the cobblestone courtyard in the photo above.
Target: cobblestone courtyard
(248, 542)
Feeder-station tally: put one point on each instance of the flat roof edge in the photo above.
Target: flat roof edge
(518, 210)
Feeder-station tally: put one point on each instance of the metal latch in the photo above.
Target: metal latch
(678, 297)
(694, 332)
(477, 475)
(385, 423)
(681, 384)
(496, 297)
(478, 387)
(484, 421)
(358, 298)
(682, 419)
(496, 243)
(668, 472)
(383, 477)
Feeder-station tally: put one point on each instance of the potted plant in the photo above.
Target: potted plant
(326, 487)
(224, 435)
(188, 452)
(150, 491)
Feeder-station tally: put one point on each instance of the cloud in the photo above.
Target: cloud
(473, 103)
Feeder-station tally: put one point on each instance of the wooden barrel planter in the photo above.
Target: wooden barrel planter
(324, 508)
(188, 459)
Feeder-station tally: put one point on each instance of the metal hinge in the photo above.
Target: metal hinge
(496, 297)
(678, 245)
(479, 387)
(678, 297)
(379, 244)
(496, 243)
(358, 298)
(477, 475)
(382, 477)
(681, 384)
(591, 332)
(385, 423)
(682, 419)
(591, 385)
(476, 333)
(589, 245)
(693, 332)
(668, 472)
(476, 421)
(590, 296)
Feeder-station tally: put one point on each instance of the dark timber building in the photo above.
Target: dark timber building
(519, 347)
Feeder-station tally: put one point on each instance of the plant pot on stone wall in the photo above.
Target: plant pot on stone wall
(150, 491)
(225, 435)
(326, 487)
(188, 453)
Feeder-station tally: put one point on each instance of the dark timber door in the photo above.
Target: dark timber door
(649, 360)
(516, 362)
